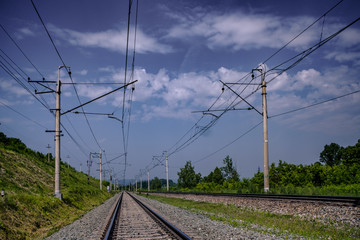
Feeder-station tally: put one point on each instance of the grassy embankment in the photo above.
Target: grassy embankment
(265, 222)
(28, 210)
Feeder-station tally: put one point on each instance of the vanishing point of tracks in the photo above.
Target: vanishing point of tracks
(132, 219)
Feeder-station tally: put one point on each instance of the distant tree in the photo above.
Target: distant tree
(155, 183)
(331, 155)
(217, 176)
(208, 178)
(351, 154)
(3, 138)
(163, 182)
(187, 176)
(229, 171)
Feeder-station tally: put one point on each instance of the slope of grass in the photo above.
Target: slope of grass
(29, 210)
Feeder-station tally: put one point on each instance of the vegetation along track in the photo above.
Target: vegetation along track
(133, 219)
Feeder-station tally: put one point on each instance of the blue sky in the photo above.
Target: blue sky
(183, 49)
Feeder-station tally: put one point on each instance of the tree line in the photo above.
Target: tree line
(336, 172)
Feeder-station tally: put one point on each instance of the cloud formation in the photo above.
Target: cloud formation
(112, 40)
(240, 30)
(166, 95)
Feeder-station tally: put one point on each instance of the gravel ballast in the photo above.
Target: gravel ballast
(320, 211)
(89, 226)
(199, 226)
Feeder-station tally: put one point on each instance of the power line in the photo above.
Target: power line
(132, 74)
(52, 41)
(232, 104)
(301, 56)
(21, 50)
(227, 145)
(44, 102)
(307, 28)
(25, 80)
(8, 71)
(14, 77)
(24, 116)
(314, 104)
(14, 63)
(68, 71)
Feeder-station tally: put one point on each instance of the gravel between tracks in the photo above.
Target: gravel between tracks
(196, 225)
(89, 226)
(321, 211)
(199, 226)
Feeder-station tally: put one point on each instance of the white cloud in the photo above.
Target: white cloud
(349, 38)
(164, 94)
(113, 40)
(345, 56)
(311, 86)
(83, 72)
(253, 30)
(241, 30)
(9, 87)
(6, 120)
(92, 92)
(24, 32)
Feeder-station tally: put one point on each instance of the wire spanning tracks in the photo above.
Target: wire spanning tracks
(135, 221)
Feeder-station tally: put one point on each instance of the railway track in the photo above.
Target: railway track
(355, 201)
(131, 219)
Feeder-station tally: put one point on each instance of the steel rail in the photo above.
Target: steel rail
(174, 229)
(320, 198)
(110, 225)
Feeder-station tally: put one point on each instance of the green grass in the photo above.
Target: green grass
(29, 210)
(264, 222)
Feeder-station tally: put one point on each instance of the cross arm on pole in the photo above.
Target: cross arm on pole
(41, 83)
(241, 98)
(221, 110)
(99, 97)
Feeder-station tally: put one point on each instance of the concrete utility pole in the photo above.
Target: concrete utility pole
(100, 172)
(68, 158)
(167, 171)
(148, 181)
(265, 117)
(89, 164)
(48, 147)
(110, 179)
(140, 183)
(136, 185)
(265, 128)
(57, 138)
(265, 131)
(57, 121)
